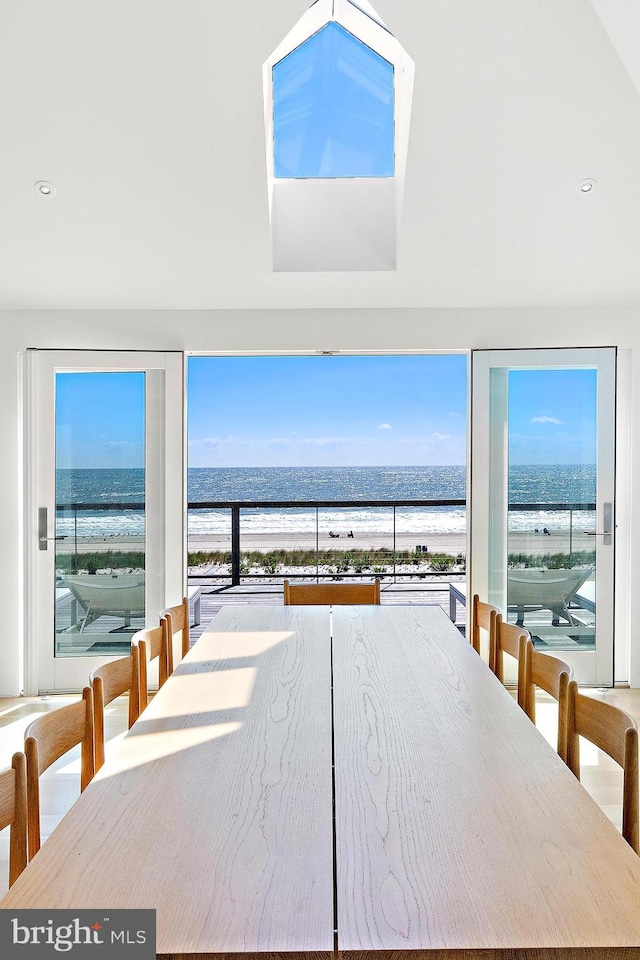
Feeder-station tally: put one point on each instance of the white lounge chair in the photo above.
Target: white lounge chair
(103, 595)
(544, 590)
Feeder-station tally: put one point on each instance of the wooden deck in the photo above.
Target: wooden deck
(108, 635)
(214, 598)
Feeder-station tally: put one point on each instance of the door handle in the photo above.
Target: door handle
(43, 539)
(607, 523)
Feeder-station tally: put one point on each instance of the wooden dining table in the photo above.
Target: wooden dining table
(315, 781)
(216, 808)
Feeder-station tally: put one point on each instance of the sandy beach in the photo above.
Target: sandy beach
(267, 542)
(450, 543)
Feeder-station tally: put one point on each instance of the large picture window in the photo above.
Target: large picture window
(325, 466)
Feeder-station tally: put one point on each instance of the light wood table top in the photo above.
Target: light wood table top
(457, 826)
(459, 833)
(217, 808)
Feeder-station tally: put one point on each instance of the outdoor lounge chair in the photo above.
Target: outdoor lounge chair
(552, 590)
(103, 595)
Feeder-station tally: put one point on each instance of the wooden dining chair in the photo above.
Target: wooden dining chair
(614, 731)
(552, 675)
(152, 643)
(483, 617)
(13, 813)
(47, 739)
(177, 618)
(111, 680)
(511, 639)
(341, 593)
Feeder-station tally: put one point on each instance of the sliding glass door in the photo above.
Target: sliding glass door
(543, 528)
(106, 549)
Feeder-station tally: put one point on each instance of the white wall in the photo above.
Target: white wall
(302, 330)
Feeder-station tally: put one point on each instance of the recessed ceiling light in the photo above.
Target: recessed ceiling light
(44, 188)
(586, 186)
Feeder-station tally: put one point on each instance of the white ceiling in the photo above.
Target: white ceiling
(147, 116)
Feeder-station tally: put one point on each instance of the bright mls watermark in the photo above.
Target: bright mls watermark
(80, 933)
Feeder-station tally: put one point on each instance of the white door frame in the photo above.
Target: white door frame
(165, 537)
(488, 468)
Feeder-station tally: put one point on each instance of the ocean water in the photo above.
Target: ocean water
(530, 484)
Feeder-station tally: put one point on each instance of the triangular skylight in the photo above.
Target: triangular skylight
(333, 109)
(337, 106)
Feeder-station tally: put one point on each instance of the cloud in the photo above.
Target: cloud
(291, 441)
(385, 426)
(441, 436)
(545, 419)
(330, 441)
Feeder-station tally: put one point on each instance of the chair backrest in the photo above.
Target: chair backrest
(177, 618)
(552, 675)
(340, 593)
(152, 643)
(111, 680)
(511, 639)
(47, 739)
(615, 732)
(13, 812)
(483, 617)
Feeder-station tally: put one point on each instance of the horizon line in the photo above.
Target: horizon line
(355, 466)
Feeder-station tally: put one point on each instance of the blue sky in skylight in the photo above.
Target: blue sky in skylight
(333, 109)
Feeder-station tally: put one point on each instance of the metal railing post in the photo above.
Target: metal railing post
(235, 544)
(75, 539)
(394, 545)
(570, 535)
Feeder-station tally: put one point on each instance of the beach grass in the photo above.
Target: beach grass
(375, 560)
(341, 561)
(553, 561)
(93, 561)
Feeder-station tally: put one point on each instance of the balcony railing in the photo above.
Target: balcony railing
(318, 543)
(75, 523)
